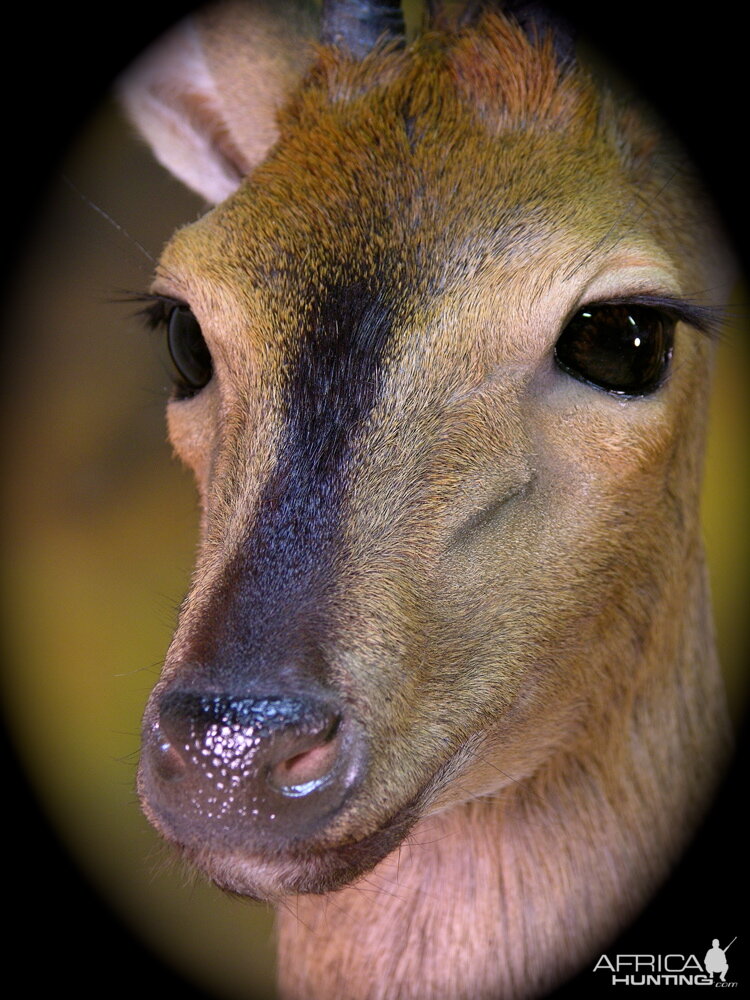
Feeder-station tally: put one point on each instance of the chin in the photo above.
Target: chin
(270, 875)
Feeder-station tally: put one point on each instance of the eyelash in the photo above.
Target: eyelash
(708, 320)
(157, 310)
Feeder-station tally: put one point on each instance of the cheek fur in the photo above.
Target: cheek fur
(192, 425)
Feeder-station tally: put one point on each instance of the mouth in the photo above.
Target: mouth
(269, 877)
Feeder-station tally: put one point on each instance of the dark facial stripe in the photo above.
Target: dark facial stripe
(330, 391)
(274, 597)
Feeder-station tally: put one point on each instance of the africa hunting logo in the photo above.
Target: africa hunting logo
(669, 970)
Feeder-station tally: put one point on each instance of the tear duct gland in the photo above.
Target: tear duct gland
(449, 598)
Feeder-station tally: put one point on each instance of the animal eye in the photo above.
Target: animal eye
(190, 355)
(625, 349)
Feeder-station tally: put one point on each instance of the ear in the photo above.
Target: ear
(205, 96)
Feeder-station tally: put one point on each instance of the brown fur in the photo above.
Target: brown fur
(521, 618)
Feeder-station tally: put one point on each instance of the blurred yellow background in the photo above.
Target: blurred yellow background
(99, 532)
(100, 527)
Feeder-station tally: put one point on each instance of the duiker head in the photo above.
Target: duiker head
(442, 358)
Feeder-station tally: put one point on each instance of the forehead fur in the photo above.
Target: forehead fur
(457, 130)
(493, 69)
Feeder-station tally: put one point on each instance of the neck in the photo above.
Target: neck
(507, 895)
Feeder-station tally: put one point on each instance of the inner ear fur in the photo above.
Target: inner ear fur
(205, 95)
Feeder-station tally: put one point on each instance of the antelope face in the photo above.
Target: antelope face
(437, 359)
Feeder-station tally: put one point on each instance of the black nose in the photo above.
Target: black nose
(246, 771)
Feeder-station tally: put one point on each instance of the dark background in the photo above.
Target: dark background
(58, 62)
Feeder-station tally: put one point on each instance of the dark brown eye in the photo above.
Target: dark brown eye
(189, 353)
(625, 349)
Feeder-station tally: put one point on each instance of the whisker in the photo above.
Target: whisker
(281, 901)
(485, 760)
(105, 215)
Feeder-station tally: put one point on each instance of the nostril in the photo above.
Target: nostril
(166, 760)
(301, 773)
